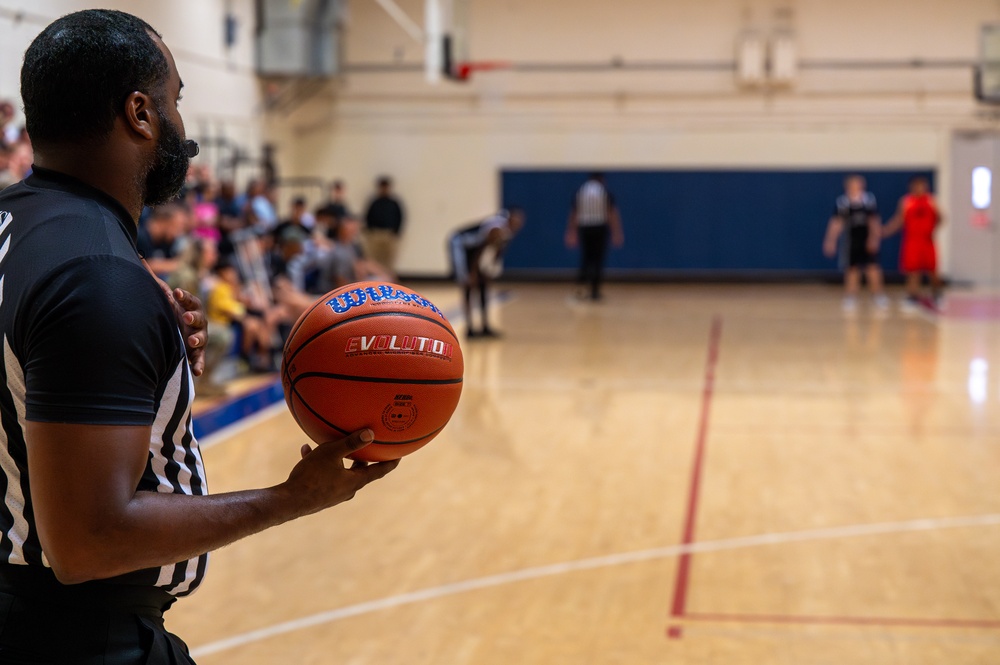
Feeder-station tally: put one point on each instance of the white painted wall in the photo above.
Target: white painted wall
(221, 93)
(445, 144)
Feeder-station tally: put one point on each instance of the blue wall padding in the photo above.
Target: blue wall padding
(698, 221)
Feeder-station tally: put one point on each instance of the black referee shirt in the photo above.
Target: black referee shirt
(88, 338)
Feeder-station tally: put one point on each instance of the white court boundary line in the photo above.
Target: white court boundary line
(623, 558)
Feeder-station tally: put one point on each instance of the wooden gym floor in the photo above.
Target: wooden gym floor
(681, 474)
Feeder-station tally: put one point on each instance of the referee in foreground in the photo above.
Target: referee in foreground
(106, 518)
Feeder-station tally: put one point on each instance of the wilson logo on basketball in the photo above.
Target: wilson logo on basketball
(397, 344)
(383, 293)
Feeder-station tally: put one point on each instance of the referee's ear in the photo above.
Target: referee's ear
(140, 114)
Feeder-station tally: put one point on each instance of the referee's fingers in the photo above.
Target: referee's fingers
(195, 320)
(355, 441)
(375, 471)
(188, 301)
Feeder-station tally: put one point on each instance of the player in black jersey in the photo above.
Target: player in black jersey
(106, 518)
(856, 222)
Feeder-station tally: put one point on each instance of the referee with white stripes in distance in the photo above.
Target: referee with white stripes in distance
(593, 218)
(106, 518)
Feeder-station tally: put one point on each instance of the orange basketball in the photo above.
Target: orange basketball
(373, 355)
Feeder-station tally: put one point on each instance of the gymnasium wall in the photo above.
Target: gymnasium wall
(221, 91)
(857, 102)
(754, 223)
(645, 84)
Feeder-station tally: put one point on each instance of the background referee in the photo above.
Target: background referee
(593, 218)
(106, 518)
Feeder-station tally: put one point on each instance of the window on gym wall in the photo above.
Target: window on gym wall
(982, 185)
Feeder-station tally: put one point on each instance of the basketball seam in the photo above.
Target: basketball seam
(417, 440)
(374, 379)
(291, 404)
(359, 317)
(316, 413)
(346, 433)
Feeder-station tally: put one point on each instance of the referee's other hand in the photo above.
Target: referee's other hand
(570, 240)
(194, 325)
(321, 479)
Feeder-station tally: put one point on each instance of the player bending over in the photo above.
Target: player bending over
(918, 216)
(476, 254)
(856, 218)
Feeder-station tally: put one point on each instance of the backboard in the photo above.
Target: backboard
(987, 77)
(455, 41)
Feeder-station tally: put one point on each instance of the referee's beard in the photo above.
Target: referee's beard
(166, 174)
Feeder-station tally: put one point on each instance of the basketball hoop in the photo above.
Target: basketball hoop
(463, 71)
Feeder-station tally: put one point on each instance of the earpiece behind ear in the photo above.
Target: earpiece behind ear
(191, 148)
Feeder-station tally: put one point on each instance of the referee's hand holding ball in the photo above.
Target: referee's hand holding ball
(321, 479)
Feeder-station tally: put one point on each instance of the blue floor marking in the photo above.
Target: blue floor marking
(235, 409)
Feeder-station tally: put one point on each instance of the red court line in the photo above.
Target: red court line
(679, 611)
(684, 561)
(844, 620)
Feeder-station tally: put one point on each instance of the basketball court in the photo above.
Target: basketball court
(683, 474)
(690, 471)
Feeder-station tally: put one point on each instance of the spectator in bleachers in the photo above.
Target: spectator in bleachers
(15, 149)
(161, 240)
(194, 274)
(253, 272)
(199, 177)
(188, 273)
(6, 177)
(20, 160)
(345, 262)
(300, 218)
(336, 207)
(205, 213)
(261, 213)
(383, 225)
(231, 206)
(294, 261)
(8, 133)
(229, 202)
(326, 226)
(228, 306)
(287, 244)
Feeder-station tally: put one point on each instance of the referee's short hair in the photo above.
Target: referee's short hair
(79, 71)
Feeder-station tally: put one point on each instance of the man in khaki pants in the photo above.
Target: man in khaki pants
(383, 223)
